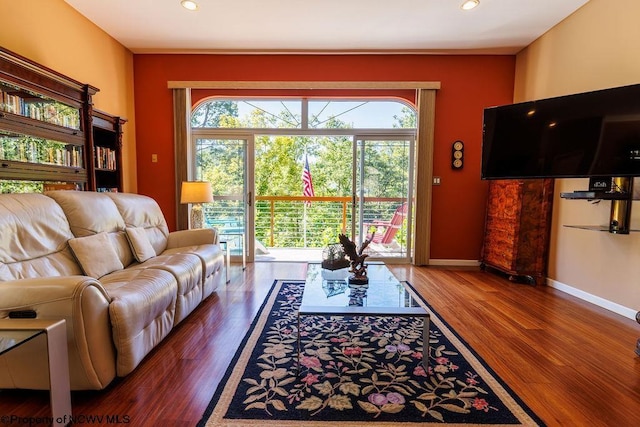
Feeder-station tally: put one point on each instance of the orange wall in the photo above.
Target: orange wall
(468, 84)
(52, 33)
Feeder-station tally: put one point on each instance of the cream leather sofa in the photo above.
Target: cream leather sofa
(108, 265)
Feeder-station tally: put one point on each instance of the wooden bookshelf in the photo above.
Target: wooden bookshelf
(50, 135)
(43, 118)
(106, 146)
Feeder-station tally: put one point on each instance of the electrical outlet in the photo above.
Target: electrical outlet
(154, 158)
(436, 180)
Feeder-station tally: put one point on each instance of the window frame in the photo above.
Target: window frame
(425, 101)
(304, 111)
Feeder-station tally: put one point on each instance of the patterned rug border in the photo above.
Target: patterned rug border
(497, 385)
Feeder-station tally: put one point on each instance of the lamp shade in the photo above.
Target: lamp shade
(196, 192)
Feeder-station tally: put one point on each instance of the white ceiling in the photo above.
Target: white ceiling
(495, 26)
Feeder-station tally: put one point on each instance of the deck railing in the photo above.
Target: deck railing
(297, 221)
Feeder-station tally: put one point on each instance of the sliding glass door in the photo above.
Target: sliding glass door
(310, 188)
(227, 163)
(289, 175)
(383, 201)
(363, 187)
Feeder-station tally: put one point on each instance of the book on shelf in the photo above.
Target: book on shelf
(40, 152)
(51, 186)
(105, 158)
(40, 109)
(71, 157)
(107, 189)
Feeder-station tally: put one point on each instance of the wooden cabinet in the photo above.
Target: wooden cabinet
(50, 136)
(107, 152)
(517, 228)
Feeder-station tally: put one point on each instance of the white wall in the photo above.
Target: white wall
(595, 48)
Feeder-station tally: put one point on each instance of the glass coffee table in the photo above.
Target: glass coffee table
(328, 293)
(48, 339)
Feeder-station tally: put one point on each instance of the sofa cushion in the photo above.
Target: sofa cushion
(187, 271)
(210, 255)
(123, 248)
(140, 244)
(33, 238)
(142, 311)
(91, 213)
(142, 211)
(212, 259)
(87, 212)
(96, 255)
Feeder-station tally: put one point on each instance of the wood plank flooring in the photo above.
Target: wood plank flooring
(572, 363)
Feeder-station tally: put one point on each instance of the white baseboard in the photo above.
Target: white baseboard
(593, 299)
(455, 262)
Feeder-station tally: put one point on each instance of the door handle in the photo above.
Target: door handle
(249, 198)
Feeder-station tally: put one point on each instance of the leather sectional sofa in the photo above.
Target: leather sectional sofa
(108, 265)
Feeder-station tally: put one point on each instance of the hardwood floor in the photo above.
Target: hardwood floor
(571, 362)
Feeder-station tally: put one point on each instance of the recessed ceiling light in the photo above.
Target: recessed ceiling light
(470, 4)
(189, 4)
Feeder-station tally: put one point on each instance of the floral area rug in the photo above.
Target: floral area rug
(357, 371)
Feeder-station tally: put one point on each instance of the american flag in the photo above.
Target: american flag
(307, 183)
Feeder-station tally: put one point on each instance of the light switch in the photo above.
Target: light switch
(436, 180)
(154, 158)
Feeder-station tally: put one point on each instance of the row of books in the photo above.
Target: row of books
(46, 111)
(52, 186)
(107, 189)
(33, 153)
(105, 158)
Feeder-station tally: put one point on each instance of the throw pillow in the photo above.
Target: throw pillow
(140, 244)
(96, 254)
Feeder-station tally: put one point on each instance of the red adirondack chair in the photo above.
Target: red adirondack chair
(385, 231)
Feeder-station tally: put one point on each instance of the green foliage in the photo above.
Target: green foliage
(408, 119)
(221, 162)
(214, 114)
(278, 169)
(20, 187)
(279, 160)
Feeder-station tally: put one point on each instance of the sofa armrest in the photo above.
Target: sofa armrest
(38, 292)
(195, 237)
(84, 304)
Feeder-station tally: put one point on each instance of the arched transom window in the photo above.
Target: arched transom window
(304, 114)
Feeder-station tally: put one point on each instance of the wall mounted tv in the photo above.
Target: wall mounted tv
(584, 135)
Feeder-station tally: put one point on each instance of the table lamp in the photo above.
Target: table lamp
(196, 193)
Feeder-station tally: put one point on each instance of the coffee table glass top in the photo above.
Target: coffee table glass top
(13, 338)
(327, 288)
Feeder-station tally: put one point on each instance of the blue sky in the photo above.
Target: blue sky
(359, 114)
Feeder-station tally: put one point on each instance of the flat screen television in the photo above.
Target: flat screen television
(584, 135)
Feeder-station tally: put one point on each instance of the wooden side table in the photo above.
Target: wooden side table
(21, 333)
